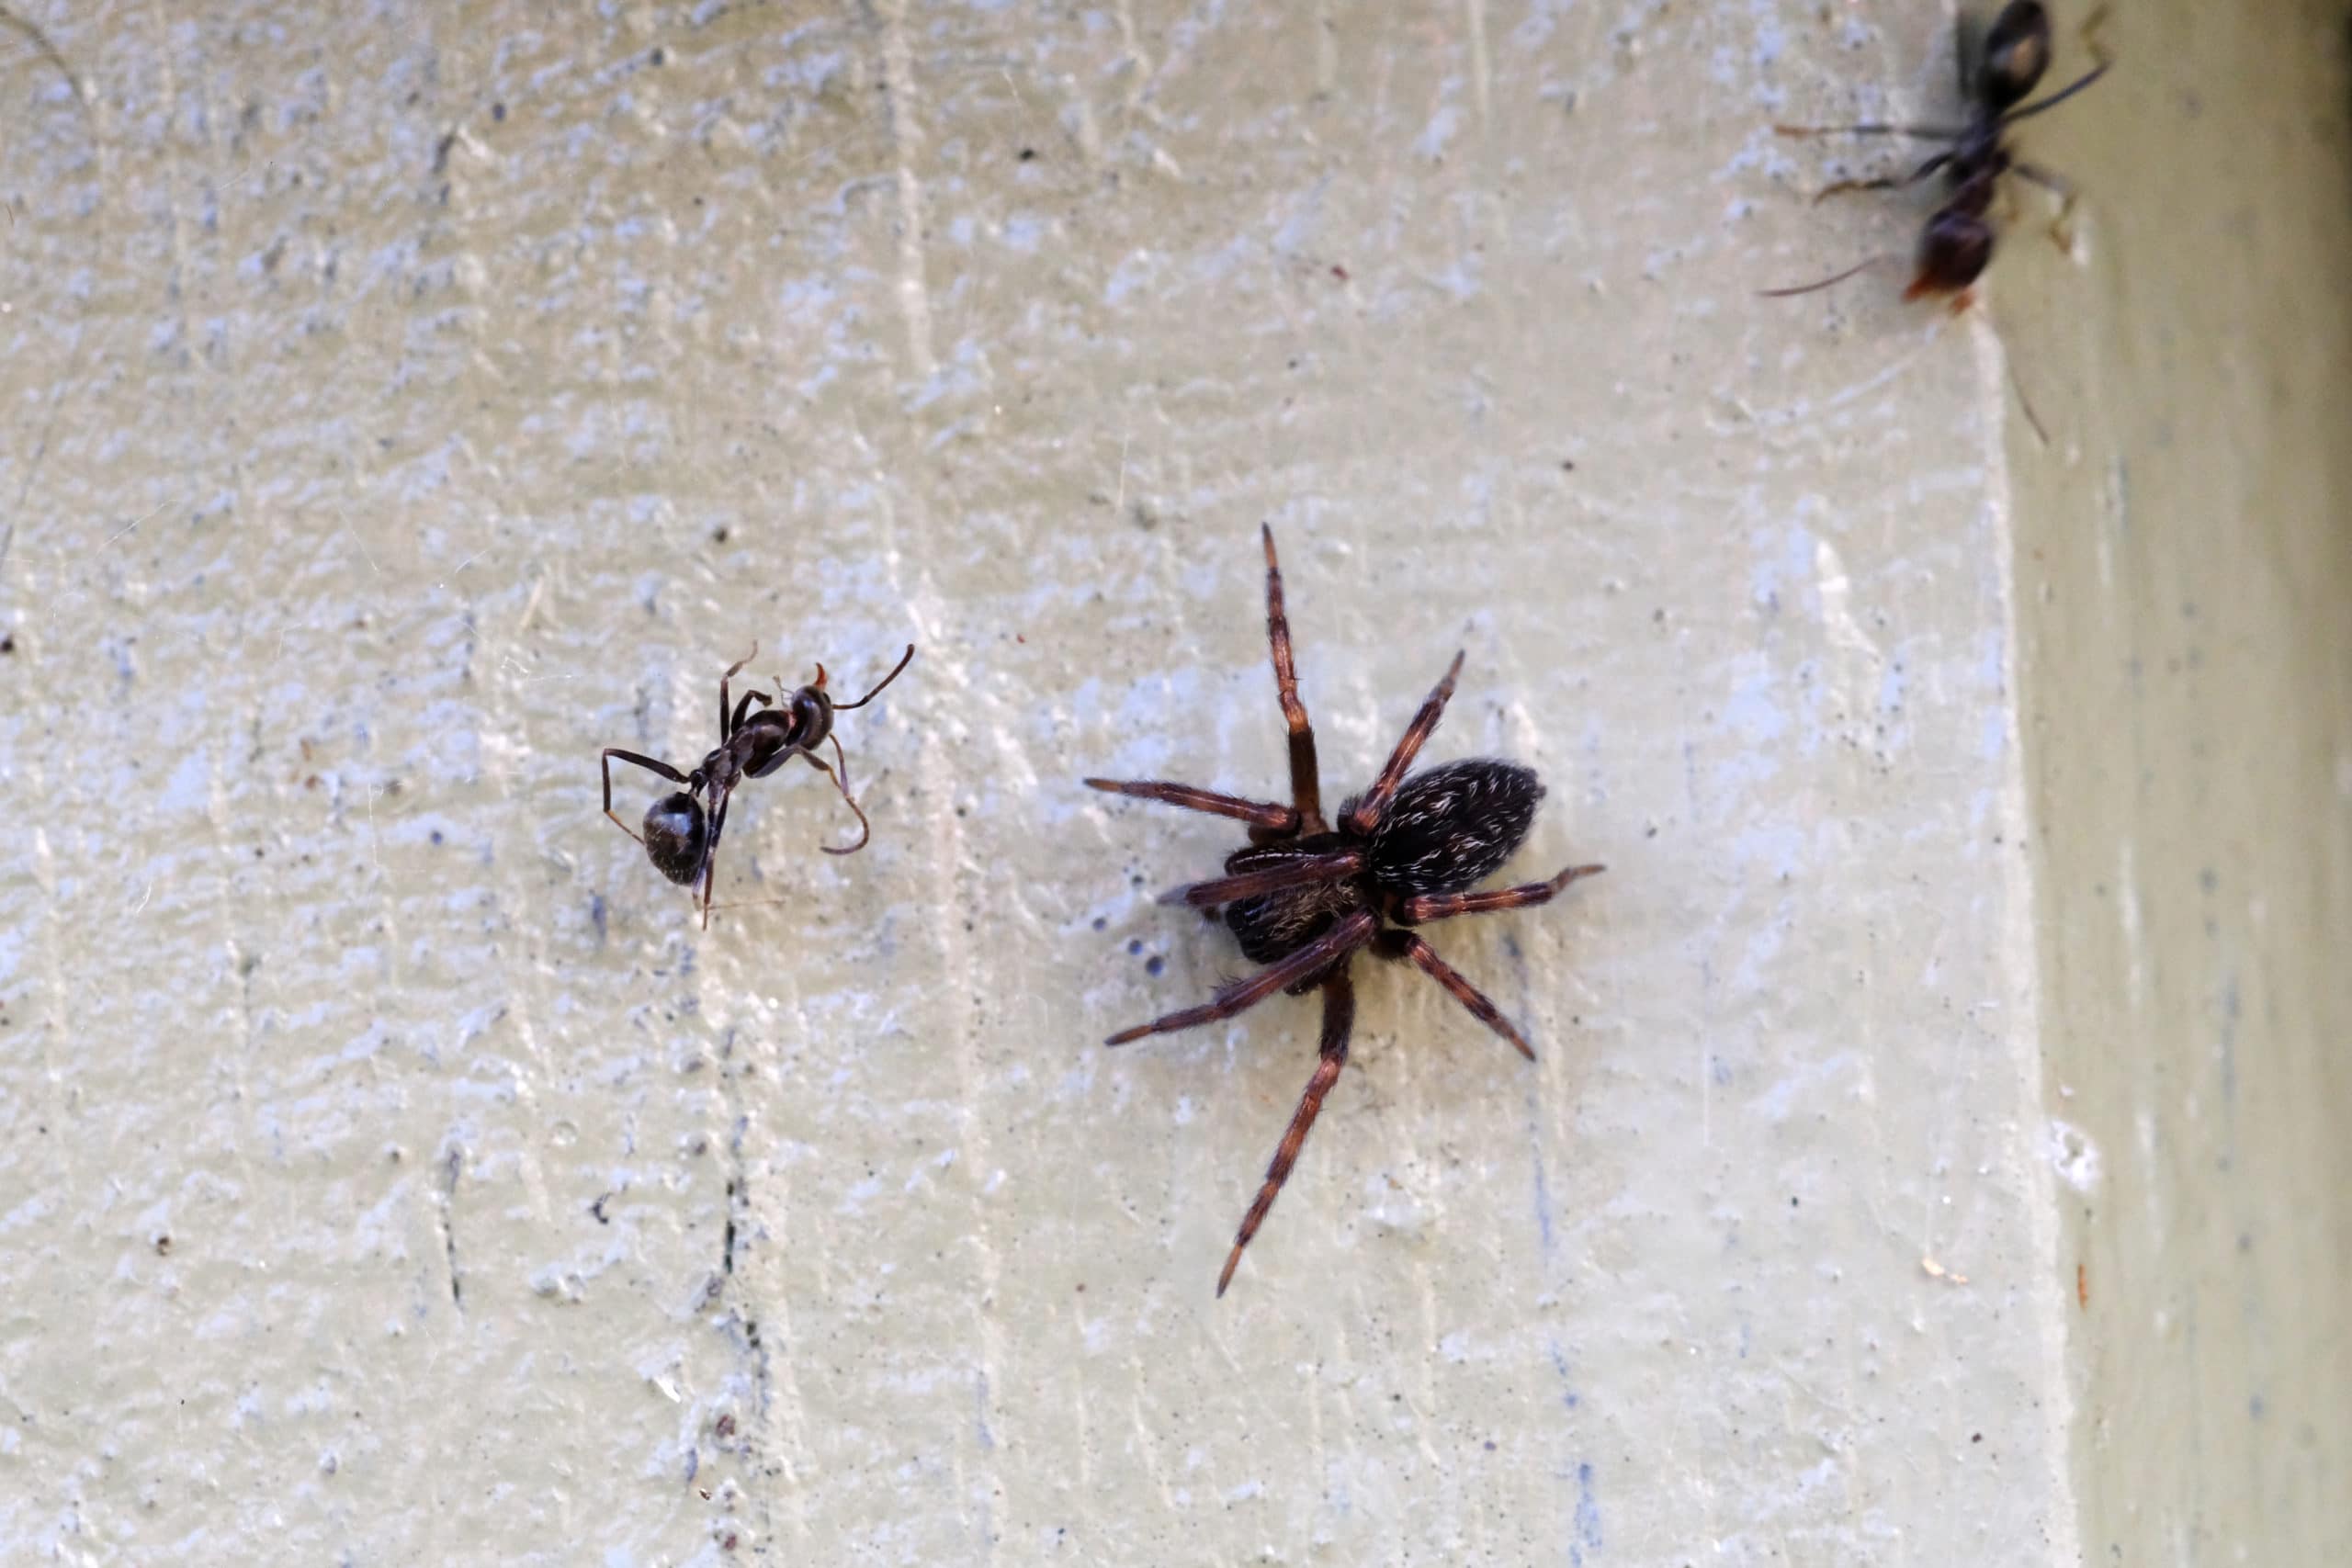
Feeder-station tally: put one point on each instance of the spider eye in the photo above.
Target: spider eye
(674, 834)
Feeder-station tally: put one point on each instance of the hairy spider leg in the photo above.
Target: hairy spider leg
(726, 727)
(904, 659)
(1306, 779)
(1282, 819)
(1335, 867)
(1351, 931)
(1338, 1021)
(649, 763)
(840, 783)
(1445, 906)
(1373, 804)
(1402, 944)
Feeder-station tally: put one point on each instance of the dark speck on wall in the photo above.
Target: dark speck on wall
(1154, 965)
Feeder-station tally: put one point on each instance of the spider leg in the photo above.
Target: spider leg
(1373, 805)
(1884, 183)
(1405, 945)
(840, 783)
(665, 769)
(1305, 780)
(1273, 879)
(1338, 1019)
(904, 659)
(1257, 812)
(1348, 934)
(1444, 906)
(725, 728)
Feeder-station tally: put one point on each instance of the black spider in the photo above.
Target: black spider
(1302, 898)
(681, 842)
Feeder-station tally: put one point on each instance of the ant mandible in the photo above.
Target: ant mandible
(679, 839)
(1957, 243)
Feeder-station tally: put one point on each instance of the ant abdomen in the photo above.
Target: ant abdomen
(674, 831)
(1453, 824)
(1954, 250)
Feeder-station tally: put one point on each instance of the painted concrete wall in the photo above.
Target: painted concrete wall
(402, 404)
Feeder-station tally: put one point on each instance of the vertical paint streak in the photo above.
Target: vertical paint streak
(2021, 999)
(906, 143)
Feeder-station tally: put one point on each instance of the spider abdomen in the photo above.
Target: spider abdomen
(1275, 925)
(1452, 826)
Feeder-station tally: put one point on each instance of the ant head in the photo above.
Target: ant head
(1954, 249)
(675, 834)
(2017, 51)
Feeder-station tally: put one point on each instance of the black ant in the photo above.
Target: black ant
(1303, 897)
(681, 842)
(1995, 76)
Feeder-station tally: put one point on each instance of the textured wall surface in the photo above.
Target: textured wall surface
(2185, 588)
(401, 403)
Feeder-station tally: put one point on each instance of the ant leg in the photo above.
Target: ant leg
(1367, 812)
(2061, 96)
(725, 728)
(904, 659)
(2061, 233)
(651, 764)
(1444, 906)
(840, 783)
(1257, 812)
(1885, 182)
(1922, 132)
(1339, 1020)
(1306, 779)
(726, 731)
(710, 854)
(1405, 944)
(1350, 933)
(1273, 879)
(1833, 279)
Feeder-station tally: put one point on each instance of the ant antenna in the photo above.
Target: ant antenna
(1810, 288)
(876, 692)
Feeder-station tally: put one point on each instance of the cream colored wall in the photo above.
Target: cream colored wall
(2185, 587)
(403, 405)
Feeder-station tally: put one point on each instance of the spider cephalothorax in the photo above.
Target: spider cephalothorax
(681, 839)
(1304, 896)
